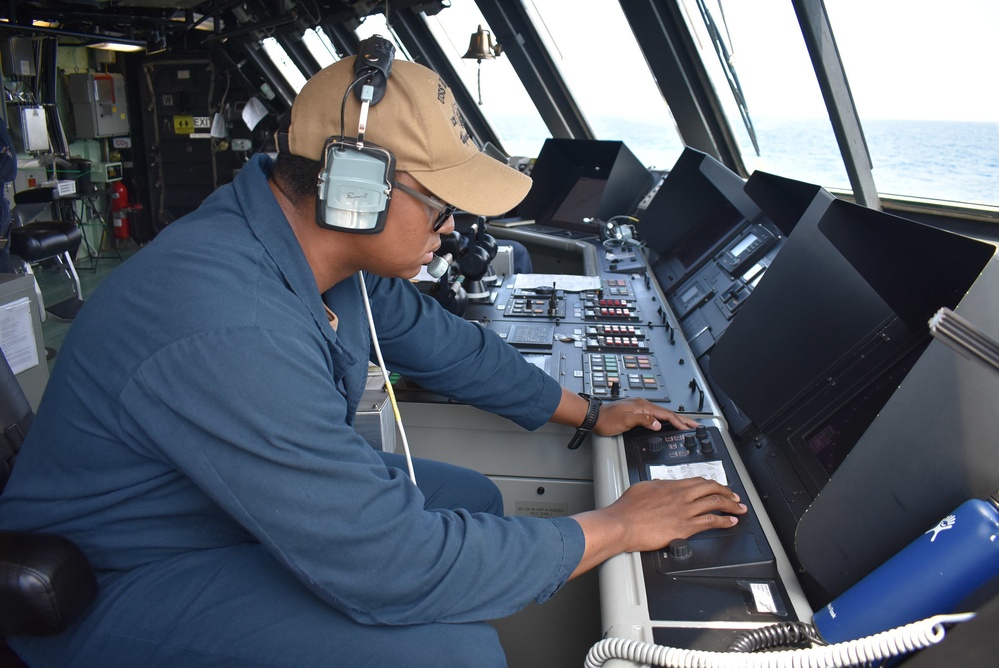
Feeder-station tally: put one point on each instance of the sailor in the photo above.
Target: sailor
(197, 438)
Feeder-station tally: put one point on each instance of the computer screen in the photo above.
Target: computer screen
(698, 204)
(583, 178)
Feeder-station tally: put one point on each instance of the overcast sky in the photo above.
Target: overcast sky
(911, 59)
(905, 59)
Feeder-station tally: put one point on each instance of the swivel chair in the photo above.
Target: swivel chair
(35, 242)
(45, 579)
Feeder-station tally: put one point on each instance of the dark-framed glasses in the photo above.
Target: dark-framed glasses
(444, 210)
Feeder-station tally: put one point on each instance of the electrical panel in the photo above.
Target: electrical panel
(106, 172)
(99, 107)
(34, 132)
(17, 57)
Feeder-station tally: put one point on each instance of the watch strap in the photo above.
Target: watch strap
(592, 414)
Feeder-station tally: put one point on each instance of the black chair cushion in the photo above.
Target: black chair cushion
(37, 195)
(45, 583)
(37, 241)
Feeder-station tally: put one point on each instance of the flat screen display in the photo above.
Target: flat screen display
(743, 245)
(582, 201)
(698, 204)
(709, 226)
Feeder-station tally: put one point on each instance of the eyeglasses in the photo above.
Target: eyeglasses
(444, 210)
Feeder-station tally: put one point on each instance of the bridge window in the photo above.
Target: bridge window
(505, 103)
(607, 74)
(766, 52)
(921, 76)
(283, 63)
(320, 47)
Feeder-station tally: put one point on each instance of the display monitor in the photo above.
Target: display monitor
(698, 204)
(838, 320)
(577, 179)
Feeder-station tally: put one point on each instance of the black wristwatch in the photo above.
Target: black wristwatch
(592, 413)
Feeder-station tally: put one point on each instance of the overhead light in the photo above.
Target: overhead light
(35, 23)
(481, 47)
(118, 46)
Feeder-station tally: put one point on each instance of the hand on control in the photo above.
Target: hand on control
(653, 513)
(656, 512)
(617, 417)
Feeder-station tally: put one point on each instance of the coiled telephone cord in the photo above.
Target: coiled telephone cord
(894, 642)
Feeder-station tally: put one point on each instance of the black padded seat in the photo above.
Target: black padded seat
(55, 240)
(39, 241)
(46, 581)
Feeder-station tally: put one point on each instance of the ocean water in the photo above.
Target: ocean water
(939, 160)
(929, 159)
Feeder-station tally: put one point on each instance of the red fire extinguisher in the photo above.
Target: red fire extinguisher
(119, 211)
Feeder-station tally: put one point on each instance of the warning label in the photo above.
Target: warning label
(542, 508)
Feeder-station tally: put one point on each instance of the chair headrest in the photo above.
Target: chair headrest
(25, 213)
(43, 194)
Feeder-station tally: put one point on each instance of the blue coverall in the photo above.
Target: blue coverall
(196, 441)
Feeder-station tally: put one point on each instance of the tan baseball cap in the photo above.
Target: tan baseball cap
(418, 121)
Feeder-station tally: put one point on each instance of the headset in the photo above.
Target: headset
(617, 235)
(355, 182)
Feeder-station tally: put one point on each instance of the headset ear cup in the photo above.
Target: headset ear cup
(355, 186)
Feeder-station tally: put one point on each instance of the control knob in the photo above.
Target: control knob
(704, 439)
(679, 549)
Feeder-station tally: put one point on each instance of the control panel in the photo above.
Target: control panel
(630, 332)
(731, 573)
(613, 339)
(751, 244)
(707, 300)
